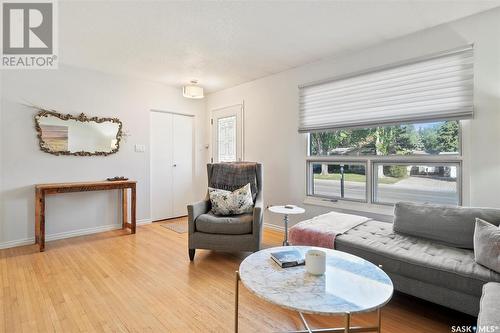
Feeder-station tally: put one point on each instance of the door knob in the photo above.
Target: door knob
(174, 165)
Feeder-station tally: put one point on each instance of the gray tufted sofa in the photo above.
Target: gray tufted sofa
(427, 252)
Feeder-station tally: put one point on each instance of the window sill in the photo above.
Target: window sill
(351, 205)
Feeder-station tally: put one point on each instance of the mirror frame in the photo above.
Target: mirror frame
(82, 118)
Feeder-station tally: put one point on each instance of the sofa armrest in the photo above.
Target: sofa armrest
(195, 210)
(489, 308)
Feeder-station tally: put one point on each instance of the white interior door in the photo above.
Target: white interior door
(182, 164)
(161, 166)
(227, 134)
(171, 164)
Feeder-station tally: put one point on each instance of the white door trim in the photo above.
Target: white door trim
(241, 125)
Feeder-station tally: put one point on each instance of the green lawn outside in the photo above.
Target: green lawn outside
(354, 177)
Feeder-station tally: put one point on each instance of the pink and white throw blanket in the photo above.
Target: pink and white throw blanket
(322, 230)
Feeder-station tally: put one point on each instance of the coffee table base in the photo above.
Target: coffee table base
(346, 329)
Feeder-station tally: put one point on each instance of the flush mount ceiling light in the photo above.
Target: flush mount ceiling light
(192, 90)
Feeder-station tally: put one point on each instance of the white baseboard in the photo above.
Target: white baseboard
(81, 232)
(274, 227)
(68, 234)
(17, 242)
(144, 221)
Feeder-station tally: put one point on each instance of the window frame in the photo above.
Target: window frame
(372, 160)
(456, 164)
(310, 181)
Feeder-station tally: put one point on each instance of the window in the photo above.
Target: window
(431, 183)
(226, 134)
(407, 162)
(339, 180)
(390, 134)
(437, 138)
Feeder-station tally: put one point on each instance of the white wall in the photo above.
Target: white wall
(271, 110)
(73, 90)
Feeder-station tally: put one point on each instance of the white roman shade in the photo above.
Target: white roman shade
(439, 87)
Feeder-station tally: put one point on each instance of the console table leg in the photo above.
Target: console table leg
(124, 208)
(41, 217)
(133, 209)
(236, 292)
(347, 322)
(37, 216)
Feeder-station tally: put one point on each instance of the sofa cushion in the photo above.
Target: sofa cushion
(416, 258)
(227, 225)
(489, 308)
(451, 225)
(487, 245)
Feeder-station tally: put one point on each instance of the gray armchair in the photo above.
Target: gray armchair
(227, 233)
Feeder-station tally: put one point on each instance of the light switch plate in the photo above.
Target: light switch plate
(140, 148)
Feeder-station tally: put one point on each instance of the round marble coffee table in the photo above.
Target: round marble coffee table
(350, 285)
(285, 211)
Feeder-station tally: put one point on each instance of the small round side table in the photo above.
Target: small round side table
(286, 210)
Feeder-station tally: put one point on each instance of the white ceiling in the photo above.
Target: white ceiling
(223, 44)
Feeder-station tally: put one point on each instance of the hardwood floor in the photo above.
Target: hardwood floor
(118, 282)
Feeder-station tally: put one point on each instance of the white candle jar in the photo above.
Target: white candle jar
(316, 262)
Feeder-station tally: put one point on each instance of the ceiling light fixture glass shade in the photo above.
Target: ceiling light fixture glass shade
(192, 90)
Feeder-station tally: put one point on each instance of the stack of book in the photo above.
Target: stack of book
(288, 258)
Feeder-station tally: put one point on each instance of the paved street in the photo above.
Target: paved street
(410, 189)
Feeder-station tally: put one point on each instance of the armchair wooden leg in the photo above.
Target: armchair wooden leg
(191, 254)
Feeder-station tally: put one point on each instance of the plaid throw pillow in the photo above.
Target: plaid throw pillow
(231, 203)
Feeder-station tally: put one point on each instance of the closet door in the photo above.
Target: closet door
(182, 163)
(161, 166)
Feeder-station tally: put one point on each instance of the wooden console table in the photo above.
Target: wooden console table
(42, 190)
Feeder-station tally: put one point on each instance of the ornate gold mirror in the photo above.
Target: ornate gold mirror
(65, 134)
